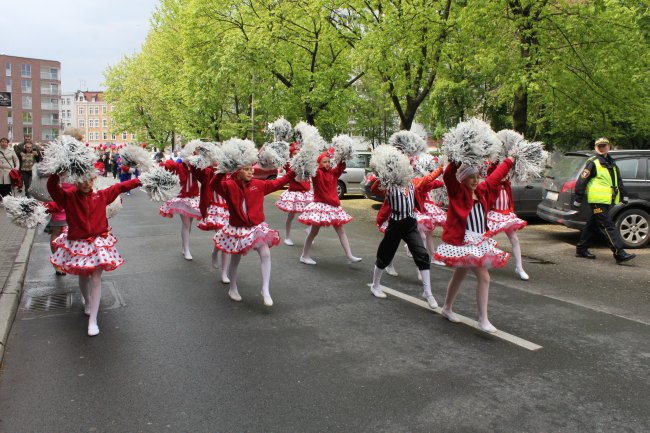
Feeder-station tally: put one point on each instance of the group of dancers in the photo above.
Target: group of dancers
(229, 201)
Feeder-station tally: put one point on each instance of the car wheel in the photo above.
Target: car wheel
(633, 227)
(340, 189)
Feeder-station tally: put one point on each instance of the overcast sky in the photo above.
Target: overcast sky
(84, 35)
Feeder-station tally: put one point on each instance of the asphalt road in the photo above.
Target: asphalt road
(175, 354)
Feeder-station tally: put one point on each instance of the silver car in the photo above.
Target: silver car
(351, 181)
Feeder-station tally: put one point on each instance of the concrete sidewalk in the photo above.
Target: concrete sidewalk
(16, 245)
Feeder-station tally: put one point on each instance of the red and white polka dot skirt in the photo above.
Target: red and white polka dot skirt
(83, 256)
(425, 223)
(240, 240)
(218, 217)
(322, 214)
(503, 221)
(294, 201)
(437, 214)
(188, 206)
(477, 251)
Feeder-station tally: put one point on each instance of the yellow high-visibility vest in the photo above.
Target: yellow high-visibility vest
(599, 190)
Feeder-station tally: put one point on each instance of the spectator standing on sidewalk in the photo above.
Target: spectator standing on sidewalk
(8, 162)
(601, 182)
(27, 158)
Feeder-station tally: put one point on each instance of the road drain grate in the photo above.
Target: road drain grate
(59, 301)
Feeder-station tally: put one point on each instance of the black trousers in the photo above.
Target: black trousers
(5, 189)
(403, 230)
(600, 222)
(27, 181)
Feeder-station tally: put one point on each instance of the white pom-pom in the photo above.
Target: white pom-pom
(408, 142)
(307, 134)
(273, 155)
(471, 142)
(343, 148)
(25, 212)
(509, 139)
(391, 166)
(530, 160)
(424, 164)
(70, 156)
(281, 129)
(304, 163)
(134, 156)
(201, 154)
(440, 197)
(237, 153)
(160, 184)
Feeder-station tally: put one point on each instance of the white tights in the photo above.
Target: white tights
(287, 226)
(343, 238)
(516, 248)
(91, 290)
(186, 228)
(482, 291)
(225, 263)
(265, 265)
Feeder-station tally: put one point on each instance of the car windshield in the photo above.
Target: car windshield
(359, 161)
(567, 167)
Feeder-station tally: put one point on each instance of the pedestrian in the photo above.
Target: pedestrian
(464, 243)
(502, 219)
(87, 248)
(602, 183)
(106, 159)
(8, 163)
(28, 157)
(115, 164)
(246, 229)
(295, 199)
(326, 208)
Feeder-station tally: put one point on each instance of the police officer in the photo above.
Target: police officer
(601, 180)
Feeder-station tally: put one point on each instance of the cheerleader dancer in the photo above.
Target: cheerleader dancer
(465, 245)
(87, 248)
(246, 228)
(326, 209)
(294, 200)
(501, 218)
(186, 205)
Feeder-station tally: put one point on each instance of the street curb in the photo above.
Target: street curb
(10, 297)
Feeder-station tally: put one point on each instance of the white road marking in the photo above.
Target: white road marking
(465, 320)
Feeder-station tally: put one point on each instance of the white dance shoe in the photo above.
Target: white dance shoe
(378, 293)
(307, 260)
(234, 295)
(430, 300)
(450, 315)
(522, 274)
(390, 270)
(93, 330)
(288, 241)
(487, 327)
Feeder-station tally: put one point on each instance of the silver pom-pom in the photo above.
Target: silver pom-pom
(471, 142)
(307, 134)
(440, 197)
(160, 184)
(136, 157)
(281, 129)
(530, 160)
(25, 212)
(509, 139)
(70, 156)
(343, 148)
(408, 142)
(237, 153)
(304, 163)
(424, 164)
(201, 154)
(273, 155)
(391, 166)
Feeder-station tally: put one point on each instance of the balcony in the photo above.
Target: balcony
(50, 122)
(47, 75)
(49, 106)
(49, 91)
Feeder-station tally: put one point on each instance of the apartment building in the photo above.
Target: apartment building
(35, 87)
(67, 112)
(93, 118)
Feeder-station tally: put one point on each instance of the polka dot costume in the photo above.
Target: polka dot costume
(217, 218)
(83, 256)
(188, 206)
(503, 221)
(425, 223)
(240, 240)
(322, 214)
(437, 214)
(294, 201)
(477, 250)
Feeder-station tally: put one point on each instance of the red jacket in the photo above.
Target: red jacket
(187, 175)
(294, 185)
(461, 202)
(246, 201)
(325, 183)
(384, 213)
(506, 186)
(86, 213)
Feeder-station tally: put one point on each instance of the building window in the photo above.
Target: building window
(81, 111)
(8, 69)
(124, 136)
(96, 123)
(26, 86)
(97, 111)
(82, 123)
(105, 136)
(105, 123)
(94, 99)
(10, 116)
(67, 113)
(112, 136)
(8, 84)
(27, 117)
(103, 109)
(27, 102)
(27, 130)
(26, 70)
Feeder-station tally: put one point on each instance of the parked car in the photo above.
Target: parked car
(351, 181)
(632, 219)
(526, 195)
(264, 173)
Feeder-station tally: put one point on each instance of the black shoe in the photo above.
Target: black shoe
(623, 257)
(585, 254)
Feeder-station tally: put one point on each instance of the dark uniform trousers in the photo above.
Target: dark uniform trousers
(600, 222)
(403, 230)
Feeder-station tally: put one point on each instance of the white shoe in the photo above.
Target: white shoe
(378, 293)
(93, 330)
(354, 259)
(408, 252)
(307, 260)
(487, 327)
(288, 241)
(187, 255)
(267, 300)
(225, 279)
(431, 300)
(234, 295)
(522, 274)
(450, 315)
(390, 270)
(437, 262)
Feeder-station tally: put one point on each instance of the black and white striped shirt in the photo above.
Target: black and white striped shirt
(476, 219)
(401, 202)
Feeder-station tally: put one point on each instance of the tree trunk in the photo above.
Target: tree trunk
(520, 110)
